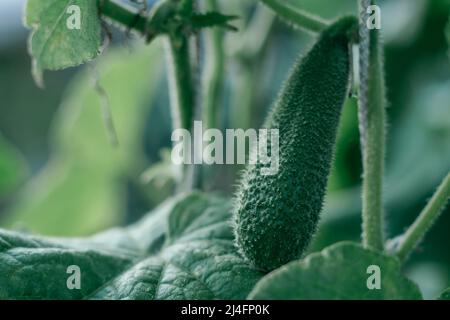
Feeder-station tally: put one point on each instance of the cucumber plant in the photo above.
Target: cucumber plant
(197, 245)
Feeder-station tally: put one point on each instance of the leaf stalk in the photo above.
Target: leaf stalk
(425, 220)
(297, 17)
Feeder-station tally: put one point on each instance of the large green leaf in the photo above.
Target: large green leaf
(338, 272)
(445, 295)
(53, 44)
(81, 190)
(183, 250)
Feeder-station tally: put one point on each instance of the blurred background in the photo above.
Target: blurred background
(59, 174)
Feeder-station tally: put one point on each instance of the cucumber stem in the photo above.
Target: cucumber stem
(372, 114)
(425, 220)
(214, 70)
(299, 18)
(182, 94)
(180, 81)
(123, 14)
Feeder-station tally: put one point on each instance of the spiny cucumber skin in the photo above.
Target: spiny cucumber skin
(276, 216)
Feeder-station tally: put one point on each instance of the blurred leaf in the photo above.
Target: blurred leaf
(80, 191)
(328, 9)
(53, 44)
(66, 199)
(338, 272)
(402, 20)
(445, 295)
(129, 81)
(161, 173)
(429, 276)
(159, 180)
(418, 157)
(447, 35)
(199, 260)
(12, 168)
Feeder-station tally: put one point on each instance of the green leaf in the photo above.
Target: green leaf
(12, 168)
(338, 272)
(197, 261)
(213, 19)
(33, 11)
(81, 190)
(53, 44)
(445, 295)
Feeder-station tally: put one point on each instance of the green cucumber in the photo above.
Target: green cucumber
(275, 216)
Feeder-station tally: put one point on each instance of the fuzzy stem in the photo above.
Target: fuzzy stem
(300, 19)
(426, 219)
(180, 81)
(182, 96)
(123, 14)
(372, 111)
(214, 70)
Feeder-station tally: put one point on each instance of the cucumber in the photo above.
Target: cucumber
(275, 216)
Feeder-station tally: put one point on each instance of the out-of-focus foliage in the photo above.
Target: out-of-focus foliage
(12, 168)
(81, 189)
(431, 276)
(445, 295)
(447, 34)
(328, 9)
(419, 156)
(161, 174)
